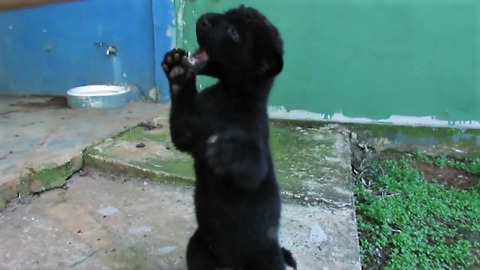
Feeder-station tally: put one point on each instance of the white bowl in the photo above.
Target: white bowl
(100, 96)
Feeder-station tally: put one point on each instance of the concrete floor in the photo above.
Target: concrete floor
(98, 224)
(41, 132)
(110, 222)
(104, 221)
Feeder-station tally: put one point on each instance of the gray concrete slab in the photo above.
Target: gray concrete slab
(313, 169)
(40, 133)
(312, 163)
(114, 222)
(105, 222)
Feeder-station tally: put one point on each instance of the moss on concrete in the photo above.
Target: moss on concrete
(118, 156)
(309, 164)
(51, 176)
(142, 170)
(305, 158)
(139, 134)
(39, 179)
(310, 157)
(454, 142)
(181, 167)
(108, 165)
(295, 154)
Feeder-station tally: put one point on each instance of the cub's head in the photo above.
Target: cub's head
(240, 45)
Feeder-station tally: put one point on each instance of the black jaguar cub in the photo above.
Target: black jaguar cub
(225, 129)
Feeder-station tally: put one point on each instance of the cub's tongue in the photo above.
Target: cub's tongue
(201, 55)
(197, 60)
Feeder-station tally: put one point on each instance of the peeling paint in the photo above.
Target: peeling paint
(279, 112)
(180, 23)
(377, 67)
(172, 33)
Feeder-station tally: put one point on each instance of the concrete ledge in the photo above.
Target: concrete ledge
(37, 179)
(143, 151)
(42, 140)
(312, 163)
(313, 168)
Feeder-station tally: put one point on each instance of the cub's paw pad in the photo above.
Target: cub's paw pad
(176, 68)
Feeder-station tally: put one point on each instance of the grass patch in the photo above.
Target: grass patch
(406, 222)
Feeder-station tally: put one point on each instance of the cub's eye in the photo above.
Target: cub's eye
(233, 34)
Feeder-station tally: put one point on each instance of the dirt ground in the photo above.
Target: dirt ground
(449, 177)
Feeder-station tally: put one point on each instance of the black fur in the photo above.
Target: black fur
(225, 129)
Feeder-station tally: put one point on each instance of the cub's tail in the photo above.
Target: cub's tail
(287, 255)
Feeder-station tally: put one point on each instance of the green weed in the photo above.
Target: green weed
(406, 222)
(469, 165)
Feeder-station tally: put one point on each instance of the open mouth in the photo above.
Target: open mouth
(197, 60)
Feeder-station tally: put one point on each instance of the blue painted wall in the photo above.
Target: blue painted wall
(50, 49)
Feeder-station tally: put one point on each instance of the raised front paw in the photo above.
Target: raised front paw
(176, 68)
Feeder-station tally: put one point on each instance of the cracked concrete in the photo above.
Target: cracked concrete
(40, 133)
(120, 219)
(115, 222)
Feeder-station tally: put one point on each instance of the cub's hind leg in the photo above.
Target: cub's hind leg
(199, 255)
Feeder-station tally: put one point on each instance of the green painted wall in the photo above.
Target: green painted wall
(368, 58)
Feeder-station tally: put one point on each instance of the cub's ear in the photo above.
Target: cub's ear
(270, 65)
